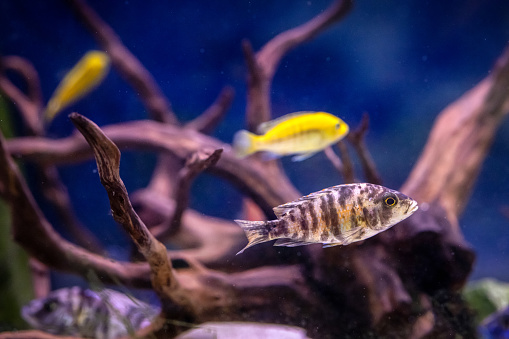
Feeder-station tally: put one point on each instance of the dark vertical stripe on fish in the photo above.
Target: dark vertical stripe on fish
(104, 324)
(333, 211)
(292, 216)
(304, 221)
(336, 229)
(325, 210)
(135, 317)
(283, 227)
(314, 218)
(353, 218)
(385, 215)
(278, 228)
(367, 217)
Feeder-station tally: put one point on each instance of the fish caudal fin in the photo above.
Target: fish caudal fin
(243, 143)
(256, 231)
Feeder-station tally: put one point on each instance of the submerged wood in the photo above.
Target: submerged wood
(401, 283)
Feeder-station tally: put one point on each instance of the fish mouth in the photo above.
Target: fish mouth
(413, 207)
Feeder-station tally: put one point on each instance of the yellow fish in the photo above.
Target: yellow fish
(81, 79)
(338, 215)
(301, 133)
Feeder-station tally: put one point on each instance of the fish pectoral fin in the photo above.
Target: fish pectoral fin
(291, 243)
(267, 156)
(303, 156)
(350, 236)
(332, 244)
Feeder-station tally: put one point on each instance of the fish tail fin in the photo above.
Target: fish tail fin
(243, 143)
(51, 110)
(256, 231)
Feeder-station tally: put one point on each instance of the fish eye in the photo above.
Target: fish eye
(49, 306)
(338, 125)
(390, 200)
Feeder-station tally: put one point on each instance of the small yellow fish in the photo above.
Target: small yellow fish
(337, 215)
(81, 79)
(301, 133)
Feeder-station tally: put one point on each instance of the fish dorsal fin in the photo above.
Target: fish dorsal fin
(280, 210)
(264, 127)
(291, 243)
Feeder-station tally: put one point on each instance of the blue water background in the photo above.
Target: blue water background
(400, 61)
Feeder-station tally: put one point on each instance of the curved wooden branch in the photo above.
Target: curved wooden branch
(126, 63)
(459, 141)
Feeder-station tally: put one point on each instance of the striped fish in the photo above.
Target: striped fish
(82, 312)
(337, 215)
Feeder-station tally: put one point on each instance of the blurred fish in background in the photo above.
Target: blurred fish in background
(106, 314)
(301, 133)
(87, 74)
